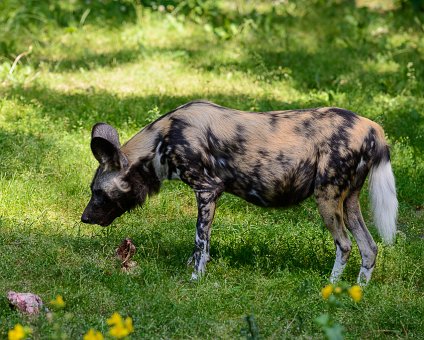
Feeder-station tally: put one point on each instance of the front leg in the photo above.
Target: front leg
(206, 203)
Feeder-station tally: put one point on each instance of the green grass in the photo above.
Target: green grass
(265, 262)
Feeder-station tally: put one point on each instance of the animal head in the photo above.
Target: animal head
(112, 192)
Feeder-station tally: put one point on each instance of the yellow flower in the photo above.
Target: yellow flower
(119, 331)
(19, 332)
(58, 302)
(120, 328)
(115, 319)
(338, 290)
(129, 325)
(326, 291)
(355, 293)
(93, 335)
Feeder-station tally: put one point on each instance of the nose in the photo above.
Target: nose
(84, 218)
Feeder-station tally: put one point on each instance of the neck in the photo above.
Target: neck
(143, 179)
(144, 144)
(147, 149)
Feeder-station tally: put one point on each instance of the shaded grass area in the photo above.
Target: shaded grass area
(266, 262)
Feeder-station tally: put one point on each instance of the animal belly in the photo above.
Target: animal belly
(278, 194)
(265, 180)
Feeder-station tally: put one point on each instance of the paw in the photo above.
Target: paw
(364, 276)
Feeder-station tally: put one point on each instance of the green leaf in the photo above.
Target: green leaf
(323, 320)
(335, 332)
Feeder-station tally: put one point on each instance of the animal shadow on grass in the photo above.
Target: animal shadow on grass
(172, 242)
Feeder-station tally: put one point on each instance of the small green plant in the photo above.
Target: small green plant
(251, 330)
(334, 296)
(57, 318)
(152, 115)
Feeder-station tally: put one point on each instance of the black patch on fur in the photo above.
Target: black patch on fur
(176, 131)
(272, 120)
(214, 144)
(347, 115)
(240, 140)
(299, 186)
(263, 153)
(343, 167)
(283, 160)
(143, 182)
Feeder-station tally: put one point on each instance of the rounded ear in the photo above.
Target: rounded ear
(106, 147)
(104, 151)
(107, 132)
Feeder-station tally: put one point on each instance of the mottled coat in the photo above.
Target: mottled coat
(271, 159)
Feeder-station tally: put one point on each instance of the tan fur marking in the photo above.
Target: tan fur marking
(122, 186)
(142, 144)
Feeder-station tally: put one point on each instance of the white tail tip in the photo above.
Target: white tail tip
(384, 201)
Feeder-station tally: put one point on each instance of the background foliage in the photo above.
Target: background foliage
(65, 65)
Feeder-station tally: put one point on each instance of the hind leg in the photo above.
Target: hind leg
(364, 240)
(331, 210)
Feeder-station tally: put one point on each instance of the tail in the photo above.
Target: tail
(383, 197)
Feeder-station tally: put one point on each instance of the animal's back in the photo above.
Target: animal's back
(268, 158)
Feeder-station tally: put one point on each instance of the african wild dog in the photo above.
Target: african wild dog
(272, 159)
